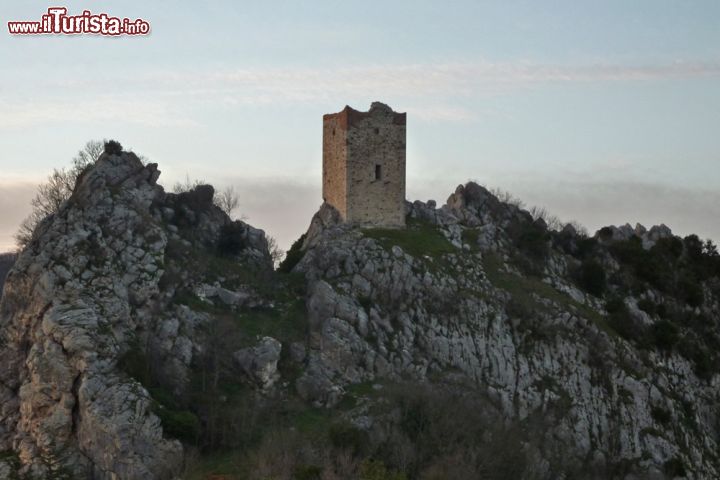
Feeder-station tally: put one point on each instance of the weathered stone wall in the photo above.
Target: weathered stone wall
(377, 141)
(372, 161)
(334, 163)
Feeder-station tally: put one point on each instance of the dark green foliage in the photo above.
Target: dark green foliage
(470, 236)
(177, 422)
(675, 467)
(345, 436)
(376, 470)
(690, 291)
(661, 415)
(415, 419)
(668, 247)
(666, 334)
(623, 322)
(592, 277)
(181, 424)
(136, 364)
(648, 265)
(232, 239)
(11, 459)
(652, 308)
(113, 147)
(307, 472)
(647, 306)
(531, 239)
(675, 267)
(6, 262)
(703, 360)
(586, 246)
(293, 256)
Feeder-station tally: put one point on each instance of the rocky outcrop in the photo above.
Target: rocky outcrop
(535, 343)
(96, 285)
(129, 298)
(260, 362)
(6, 263)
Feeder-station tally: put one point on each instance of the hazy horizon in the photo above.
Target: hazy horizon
(602, 113)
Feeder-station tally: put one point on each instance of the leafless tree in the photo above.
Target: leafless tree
(187, 185)
(506, 197)
(228, 200)
(55, 190)
(276, 252)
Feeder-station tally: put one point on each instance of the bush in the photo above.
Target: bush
(660, 415)
(293, 256)
(691, 291)
(348, 437)
(592, 277)
(665, 334)
(675, 467)
(532, 240)
(623, 323)
(113, 147)
(376, 470)
(307, 472)
(181, 424)
(232, 239)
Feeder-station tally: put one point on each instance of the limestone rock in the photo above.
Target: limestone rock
(260, 362)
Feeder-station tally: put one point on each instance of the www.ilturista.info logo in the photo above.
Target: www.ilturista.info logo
(57, 21)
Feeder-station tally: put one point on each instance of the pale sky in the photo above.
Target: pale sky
(606, 112)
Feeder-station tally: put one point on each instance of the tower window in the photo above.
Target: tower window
(377, 130)
(378, 172)
(333, 132)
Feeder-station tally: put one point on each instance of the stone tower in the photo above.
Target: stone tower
(364, 165)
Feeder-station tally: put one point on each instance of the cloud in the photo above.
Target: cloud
(146, 112)
(14, 207)
(284, 207)
(162, 97)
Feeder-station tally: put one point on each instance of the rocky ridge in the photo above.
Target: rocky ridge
(138, 322)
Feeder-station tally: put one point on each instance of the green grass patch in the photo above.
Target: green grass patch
(312, 420)
(470, 237)
(285, 322)
(417, 239)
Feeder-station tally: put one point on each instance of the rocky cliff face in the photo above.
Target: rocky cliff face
(139, 323)
(480, 290)
(90, 291)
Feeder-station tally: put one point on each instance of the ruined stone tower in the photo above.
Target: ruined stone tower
(364, 165)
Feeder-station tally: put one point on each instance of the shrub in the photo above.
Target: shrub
(181, 424)
(647, 306)
(136, 364)
(232, 239)
(532, 240)
(293, 256)
(307, 472)
(665, 334)
(592, 277)
(691, 291)
(605, 233)
(675, 467)
(376, 470)
(623, 322)
(113, 147)
(660, 415)
(348, 437)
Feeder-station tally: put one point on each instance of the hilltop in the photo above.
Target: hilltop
(145, 334)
